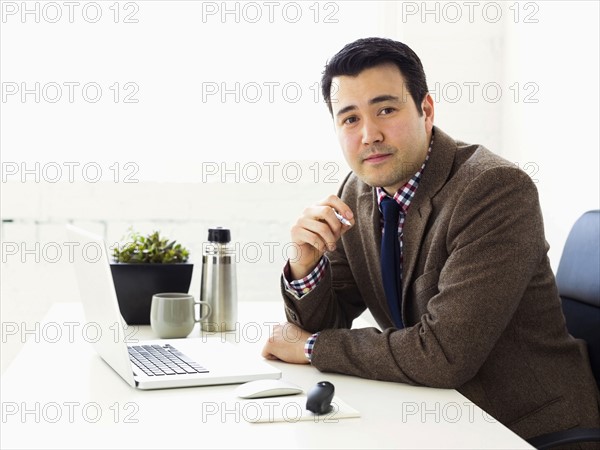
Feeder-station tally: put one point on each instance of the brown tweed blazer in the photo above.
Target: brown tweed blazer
(479, 300)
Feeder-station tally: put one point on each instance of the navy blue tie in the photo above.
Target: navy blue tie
(390, 258)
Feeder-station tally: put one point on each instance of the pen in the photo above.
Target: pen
(342, 218)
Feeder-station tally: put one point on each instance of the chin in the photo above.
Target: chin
(371, 182)
(366, 179)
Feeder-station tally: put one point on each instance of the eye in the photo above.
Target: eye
(387, 110)
(349, 120)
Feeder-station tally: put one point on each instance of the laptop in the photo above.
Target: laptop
(153, 364)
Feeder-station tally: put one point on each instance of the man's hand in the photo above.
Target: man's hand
(316, 231)
(287, 344)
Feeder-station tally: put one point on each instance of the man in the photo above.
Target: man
(462, 286)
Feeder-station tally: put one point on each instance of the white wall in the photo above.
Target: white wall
(173, 139)
(544, 58)
(558, 135)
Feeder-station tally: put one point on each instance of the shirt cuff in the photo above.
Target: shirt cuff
(308, 346)
(308, 283)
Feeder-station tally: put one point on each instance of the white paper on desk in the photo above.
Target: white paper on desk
(292, 409)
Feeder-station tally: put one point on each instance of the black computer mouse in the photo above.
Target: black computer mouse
(319, 397)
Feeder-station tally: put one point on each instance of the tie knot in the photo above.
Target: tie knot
(390, 209)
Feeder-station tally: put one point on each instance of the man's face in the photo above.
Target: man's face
(382, 135)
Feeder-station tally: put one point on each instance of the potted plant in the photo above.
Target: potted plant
(144, 266)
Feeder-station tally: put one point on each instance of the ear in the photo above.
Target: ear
(428, 111)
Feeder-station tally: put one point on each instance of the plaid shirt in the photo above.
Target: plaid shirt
(403, 196)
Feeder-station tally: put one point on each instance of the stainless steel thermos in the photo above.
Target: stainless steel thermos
(219, 284)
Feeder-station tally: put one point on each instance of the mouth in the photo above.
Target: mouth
(377, 158)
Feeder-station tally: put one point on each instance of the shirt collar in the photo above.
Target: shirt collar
(407, 191)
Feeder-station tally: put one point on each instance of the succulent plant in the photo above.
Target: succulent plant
(150, 249)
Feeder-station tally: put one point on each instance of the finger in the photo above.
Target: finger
(338, 223)
(328, 231)
(271, 357)
(336, 203)
(324, 214)
(266, 353)
(301, 235)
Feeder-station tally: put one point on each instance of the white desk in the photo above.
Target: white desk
(83, 403)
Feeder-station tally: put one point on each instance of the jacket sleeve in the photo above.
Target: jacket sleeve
(495, 243)
(334, 302)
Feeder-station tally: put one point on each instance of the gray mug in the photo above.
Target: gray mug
(172, 314)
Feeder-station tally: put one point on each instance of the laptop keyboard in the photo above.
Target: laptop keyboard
(160, 360)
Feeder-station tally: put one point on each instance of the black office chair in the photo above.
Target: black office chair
(578, 280)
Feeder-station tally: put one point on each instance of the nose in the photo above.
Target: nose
(371, 132)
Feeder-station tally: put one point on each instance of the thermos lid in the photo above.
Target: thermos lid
(220, 235)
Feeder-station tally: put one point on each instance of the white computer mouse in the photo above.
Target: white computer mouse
(267, 388)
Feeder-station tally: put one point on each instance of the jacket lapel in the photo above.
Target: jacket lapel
(434, 178)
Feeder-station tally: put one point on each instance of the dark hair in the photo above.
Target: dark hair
(370, 52)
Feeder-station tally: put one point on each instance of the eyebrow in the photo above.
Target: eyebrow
(374, 100)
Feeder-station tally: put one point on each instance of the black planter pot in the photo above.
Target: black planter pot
(135, 285)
